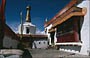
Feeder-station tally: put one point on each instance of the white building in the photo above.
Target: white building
(28, 30)
(27, 27)
(85, 28)
(69, 28)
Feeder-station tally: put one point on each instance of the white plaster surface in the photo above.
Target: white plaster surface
(49, 38)
(32, 28)
(85, 37)
(40, 44)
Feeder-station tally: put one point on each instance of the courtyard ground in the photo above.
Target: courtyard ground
(53, 53)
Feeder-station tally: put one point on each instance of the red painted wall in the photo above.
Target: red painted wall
(70, 37)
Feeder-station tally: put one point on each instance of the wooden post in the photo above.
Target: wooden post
(2, 22)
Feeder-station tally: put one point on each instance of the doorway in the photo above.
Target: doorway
(52, 37)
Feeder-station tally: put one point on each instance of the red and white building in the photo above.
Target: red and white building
(69, 28)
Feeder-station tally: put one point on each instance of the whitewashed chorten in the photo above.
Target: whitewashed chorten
(27, 27)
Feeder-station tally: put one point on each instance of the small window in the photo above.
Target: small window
(27, 30)
(39, 42)
(45, 30)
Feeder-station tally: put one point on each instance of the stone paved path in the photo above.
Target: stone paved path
(52, 53)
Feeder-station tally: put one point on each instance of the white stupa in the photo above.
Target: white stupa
(27, 27)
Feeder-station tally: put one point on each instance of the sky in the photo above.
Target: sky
(40, 10)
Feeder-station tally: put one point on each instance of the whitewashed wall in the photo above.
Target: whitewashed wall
(8, 42)
(32, 28)
(85, 36)
(40, 44)
(55, 38)
(49, 38)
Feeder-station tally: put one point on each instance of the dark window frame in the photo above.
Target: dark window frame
(39, 42)
(27, 30)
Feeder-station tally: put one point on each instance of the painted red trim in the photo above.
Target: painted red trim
(2, 10)
(76, 35)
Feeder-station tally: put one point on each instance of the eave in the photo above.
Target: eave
(67, 7)
(60, 19)
(51, 30)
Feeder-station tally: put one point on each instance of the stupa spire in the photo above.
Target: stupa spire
(28, 18)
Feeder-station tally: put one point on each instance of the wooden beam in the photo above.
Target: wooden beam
(59, 20)
(67, 7)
